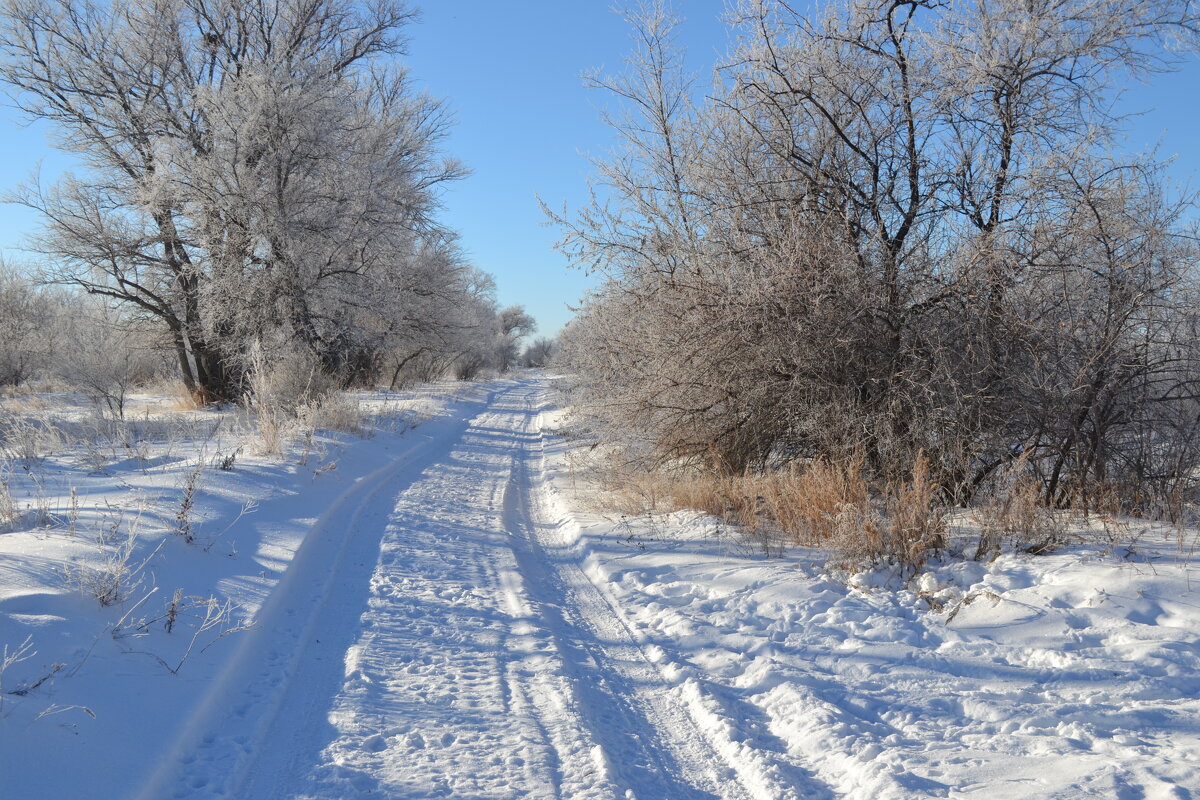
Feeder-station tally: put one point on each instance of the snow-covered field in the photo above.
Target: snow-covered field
(433, 612)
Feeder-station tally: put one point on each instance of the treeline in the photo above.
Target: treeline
(259, 186)
(898, 233)
(55, 337)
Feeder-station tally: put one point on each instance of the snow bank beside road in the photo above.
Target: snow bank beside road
(1075, 674)
(437, 614)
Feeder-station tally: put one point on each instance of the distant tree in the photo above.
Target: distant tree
(512, 324)
(104, 356)
(27, 322)
(538, 353)
(450, 329)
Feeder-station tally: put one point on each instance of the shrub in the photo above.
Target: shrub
(916, 520)
(1014, 512)
(183, 515)
(284, 378)
(30, 437)
(335, 412)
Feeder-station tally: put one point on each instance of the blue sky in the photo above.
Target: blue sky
(510, 71)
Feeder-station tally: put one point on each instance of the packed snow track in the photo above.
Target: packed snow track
(434, 638)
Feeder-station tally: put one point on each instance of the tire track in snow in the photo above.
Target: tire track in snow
(630, 745)
(423, 710)
(235, 728)
(702, 724)
(445, 682)
(424, 645)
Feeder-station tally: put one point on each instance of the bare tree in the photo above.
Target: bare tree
(892, 228)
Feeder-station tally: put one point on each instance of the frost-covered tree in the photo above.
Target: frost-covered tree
(893, 228)
(103, 355)
(438, 325)
(538, 353)
(252, 170)
(512, 325)
(27, 323)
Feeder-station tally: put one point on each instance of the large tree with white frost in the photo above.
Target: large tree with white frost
(252, 172)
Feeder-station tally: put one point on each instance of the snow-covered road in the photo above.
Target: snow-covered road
(438, 614)
(430, 640)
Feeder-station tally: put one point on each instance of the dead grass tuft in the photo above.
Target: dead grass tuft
(9, 515)
(181, 400)
(916, 519)
(335, 412)
(1014, 513)
(822, 504)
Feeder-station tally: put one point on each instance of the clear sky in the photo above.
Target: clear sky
(511, 71)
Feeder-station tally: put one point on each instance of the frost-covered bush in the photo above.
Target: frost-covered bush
(896, 229)
(106, 357)
(28, 318)
(283, 378)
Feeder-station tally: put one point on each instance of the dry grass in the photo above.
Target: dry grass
(184, 524)
(274, 431)
(822, 504)
(181, 400)
(916, 519)
(335, 412)
(30, 438)
(800, 501)
(1014, 513)
(24, 403)
(277, 429)
(111, 577)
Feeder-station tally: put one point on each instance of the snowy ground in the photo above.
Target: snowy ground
(437, 617)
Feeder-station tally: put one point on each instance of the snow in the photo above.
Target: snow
(444, 615)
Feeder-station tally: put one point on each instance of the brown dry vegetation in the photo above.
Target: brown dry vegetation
(822, 504)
